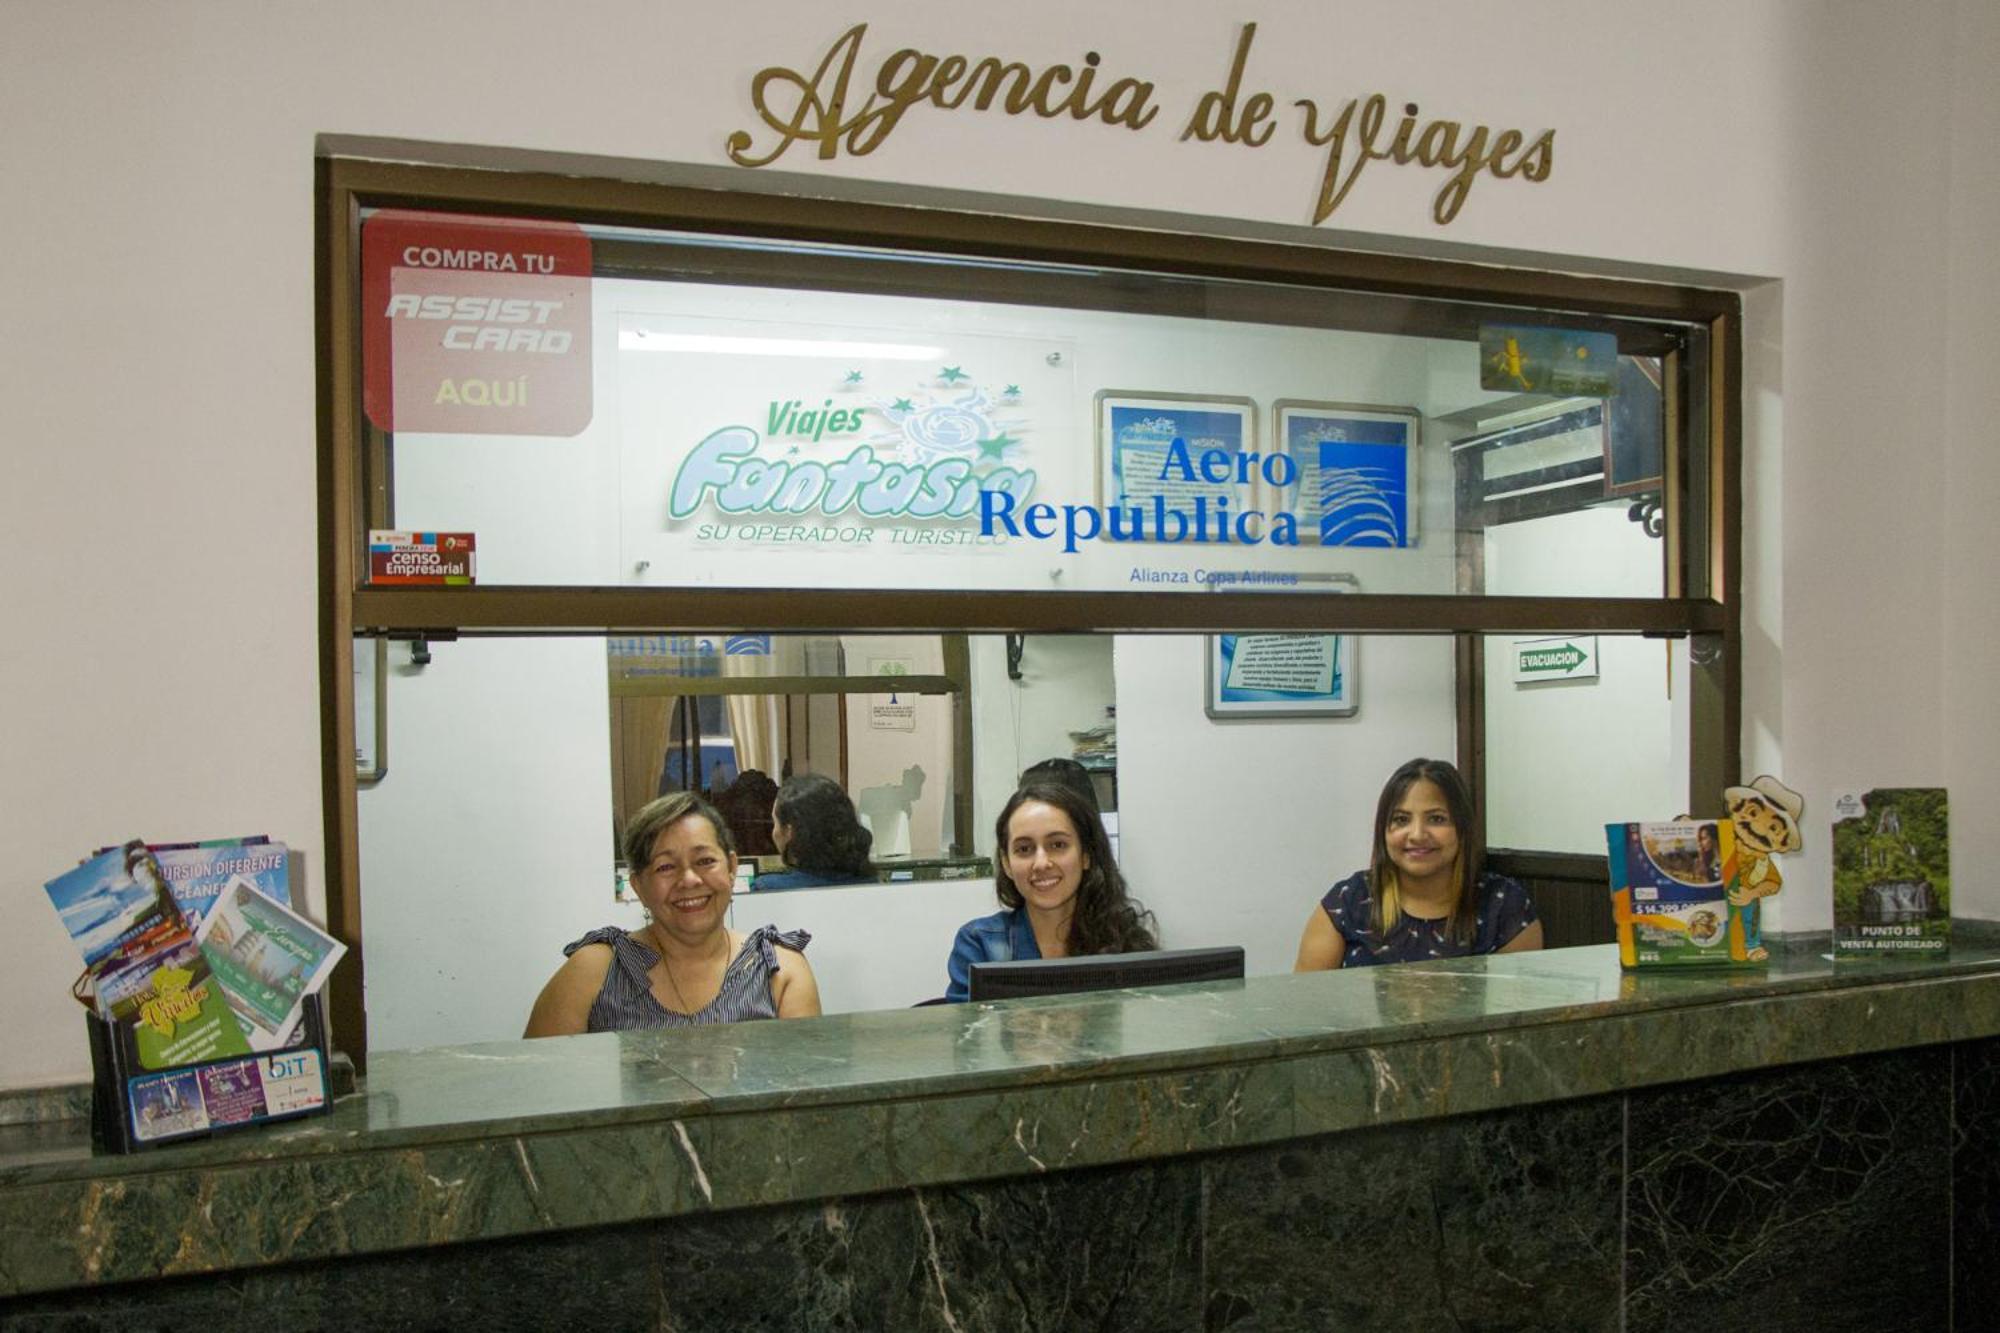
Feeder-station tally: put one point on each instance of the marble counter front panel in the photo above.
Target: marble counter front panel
(524, 1139)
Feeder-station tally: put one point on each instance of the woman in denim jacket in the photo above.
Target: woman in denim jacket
(1060, 891)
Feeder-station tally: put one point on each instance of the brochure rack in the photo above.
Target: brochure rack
(133, 1108)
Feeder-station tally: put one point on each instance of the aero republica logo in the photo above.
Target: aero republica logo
(1364, 493)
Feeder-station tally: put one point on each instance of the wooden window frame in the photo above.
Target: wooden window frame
(1299, 282)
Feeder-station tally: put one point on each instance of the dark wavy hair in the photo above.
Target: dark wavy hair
(1066, 771)
(1106, 920)
(827, 836)
(1466, 869)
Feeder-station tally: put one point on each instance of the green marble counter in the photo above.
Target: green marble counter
(465, 1143)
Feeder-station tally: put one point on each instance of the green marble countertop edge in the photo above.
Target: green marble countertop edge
(1200, 1067)
(453, 1094)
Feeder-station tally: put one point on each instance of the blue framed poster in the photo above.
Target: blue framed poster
(1285, 675)
(1190, 453)
(1354, 469)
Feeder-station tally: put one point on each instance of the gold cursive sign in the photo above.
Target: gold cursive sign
(816, 110)
(1436, 145)
(836, 111)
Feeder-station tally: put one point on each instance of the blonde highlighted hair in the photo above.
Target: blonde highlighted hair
(1466, 867)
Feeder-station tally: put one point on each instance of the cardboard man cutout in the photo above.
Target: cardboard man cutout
(1766, 817)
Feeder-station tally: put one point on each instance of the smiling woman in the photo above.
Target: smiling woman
(685, 966)
(1060, 890)
(1427, 893)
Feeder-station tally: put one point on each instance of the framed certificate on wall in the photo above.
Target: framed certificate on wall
(1177, 450)
(1285, 675)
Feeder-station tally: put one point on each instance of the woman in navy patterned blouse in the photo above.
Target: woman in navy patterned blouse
(1426, 893)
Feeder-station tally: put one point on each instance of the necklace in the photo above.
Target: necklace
(667, 963)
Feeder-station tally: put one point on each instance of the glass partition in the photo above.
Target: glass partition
(495, 823)
(765, 415)
(1582, 731)
(729, 715)
(684, 489)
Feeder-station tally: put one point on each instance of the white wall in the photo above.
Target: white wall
(1873, 207)
(1969, 643)
(898, 960)
(1566, 757)
(487, 846)
(159, 328)
(879, 757)
(1231, 831)
(1066, 684)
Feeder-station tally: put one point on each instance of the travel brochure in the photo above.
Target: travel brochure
(1892, 872)
(268, 959)
(1669, 897)
(145, 969)
(1690, 891)
(192, 948)
(173, 1006)
(112, 899)
(197, 871)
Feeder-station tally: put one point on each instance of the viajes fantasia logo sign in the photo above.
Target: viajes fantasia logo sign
(928, 453)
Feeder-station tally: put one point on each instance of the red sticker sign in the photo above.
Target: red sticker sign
(475, 326)
(422, 557)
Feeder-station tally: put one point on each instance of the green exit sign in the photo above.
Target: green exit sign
(1555, 659)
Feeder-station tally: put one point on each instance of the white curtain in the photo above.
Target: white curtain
(756, 721)
(756, 725)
